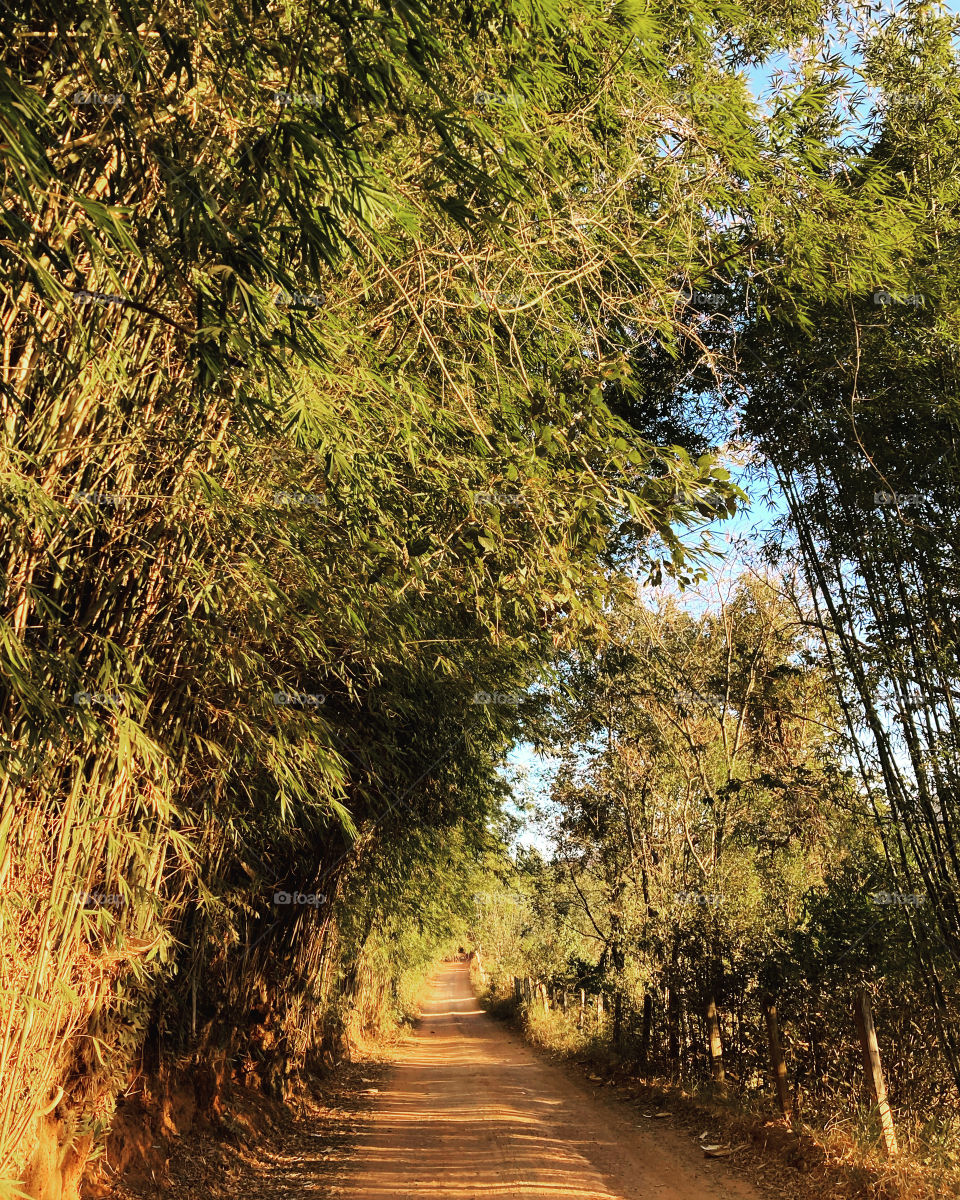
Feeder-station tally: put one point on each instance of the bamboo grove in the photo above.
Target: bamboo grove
(713, 854)
(349, 354)
(756, 797)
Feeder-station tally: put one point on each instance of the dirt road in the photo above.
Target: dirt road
(469, 1112)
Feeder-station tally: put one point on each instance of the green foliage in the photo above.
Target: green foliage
(261, 439)
(709, 843)
(858, 417)
(348, 356)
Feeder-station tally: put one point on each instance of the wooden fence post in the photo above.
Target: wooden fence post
(778, 1066)
(618, 1020)
(716, 1046)
(583, 1005)
(873, 1069)
(645, 1033)
(673, 1028)
(599, 1012)
(516, 989)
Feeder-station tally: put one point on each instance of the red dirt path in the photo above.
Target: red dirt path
(469, 1112)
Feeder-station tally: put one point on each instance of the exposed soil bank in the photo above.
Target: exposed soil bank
(257, 1147)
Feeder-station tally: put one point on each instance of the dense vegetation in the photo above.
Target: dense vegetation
(359, 360)
(714, 852)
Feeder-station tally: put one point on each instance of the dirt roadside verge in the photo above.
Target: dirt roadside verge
(294, 1151)
(773, 1157)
